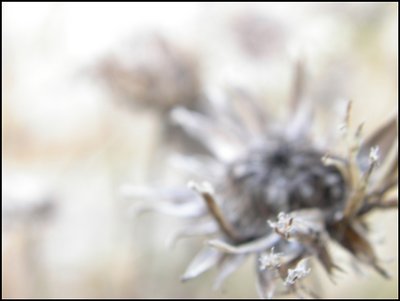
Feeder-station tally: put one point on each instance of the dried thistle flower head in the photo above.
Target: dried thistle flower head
(153, 73)
(273, 194)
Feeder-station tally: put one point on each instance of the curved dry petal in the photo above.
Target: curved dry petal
(217, 140)
(194, 165)
(175, 195)
(189, 210)
(247, 111)
(384, 137)
(297, 96)
(300, 124)
(202, 229)
(221, 110)
(203, 261)
(227, 266)
(257, 245)
(388, 170)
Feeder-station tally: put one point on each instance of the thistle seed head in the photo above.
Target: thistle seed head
(278, 197)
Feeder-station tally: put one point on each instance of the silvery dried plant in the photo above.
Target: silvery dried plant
(152, 72)
(270, 191)
(155, 74)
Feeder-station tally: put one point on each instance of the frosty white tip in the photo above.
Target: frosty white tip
(300, 271)
(283, 225)
(204, 187)
(271, 260)
(374, 154)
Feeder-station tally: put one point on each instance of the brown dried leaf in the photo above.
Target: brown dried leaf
(384, 137)
(326, 260)
(355, 242)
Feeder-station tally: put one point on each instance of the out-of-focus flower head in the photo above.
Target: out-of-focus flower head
(259, 35)
(270, 191)
(154, 73)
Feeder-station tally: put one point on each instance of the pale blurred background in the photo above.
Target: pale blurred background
(69, 143)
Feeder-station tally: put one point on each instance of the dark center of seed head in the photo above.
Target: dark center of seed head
(293, 178)
(280, 157)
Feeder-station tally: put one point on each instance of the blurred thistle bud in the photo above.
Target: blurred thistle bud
(153, 73)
